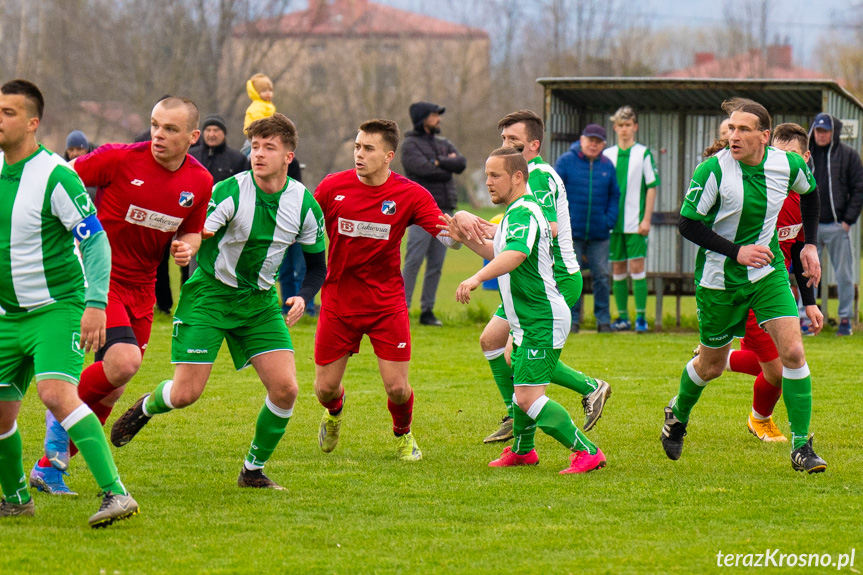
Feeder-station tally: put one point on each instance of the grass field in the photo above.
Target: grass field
(359, 510)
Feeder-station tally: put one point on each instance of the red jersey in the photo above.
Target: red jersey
(142, 205)
(789, 225)
(365, 225)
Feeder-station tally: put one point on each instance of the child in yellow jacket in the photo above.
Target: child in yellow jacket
(260, 90)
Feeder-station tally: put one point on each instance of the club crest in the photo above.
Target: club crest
(187, 199)
(388, 208)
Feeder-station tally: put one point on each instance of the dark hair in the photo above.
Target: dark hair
(533, 124)
(275, 125)
(194, 116)
(749, 107)
(30, 92)
(388, 130)
(513, 160)
(791, 132)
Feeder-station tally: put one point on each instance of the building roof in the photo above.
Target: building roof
(774, 62)
(357, 18)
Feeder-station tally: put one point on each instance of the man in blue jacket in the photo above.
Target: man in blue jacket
(593, 194)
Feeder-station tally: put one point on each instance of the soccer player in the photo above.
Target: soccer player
(149, 195)
(638, 179)
(49, 315)
(253, 218)
(369, 208)
(522, 260)
(730, 211)
(524, 130)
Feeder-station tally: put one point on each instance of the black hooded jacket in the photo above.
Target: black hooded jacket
(221, 161)
(840, 182)
(420, 151)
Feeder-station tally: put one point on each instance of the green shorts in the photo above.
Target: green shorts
(43, 342)
(627, 247)
(570, 287)
(722, 313)
(209, 311)
(533, 365)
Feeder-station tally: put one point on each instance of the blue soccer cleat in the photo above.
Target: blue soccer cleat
(640, 325)
(56, 442)
(49, 480)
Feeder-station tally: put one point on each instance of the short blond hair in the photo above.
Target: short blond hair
(623, 114)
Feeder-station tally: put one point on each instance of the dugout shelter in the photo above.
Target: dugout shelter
(677, 119)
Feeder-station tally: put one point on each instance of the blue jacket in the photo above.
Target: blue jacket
(592, 191)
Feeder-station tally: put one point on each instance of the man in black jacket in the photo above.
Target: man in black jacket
(429, 160)
(839, 174)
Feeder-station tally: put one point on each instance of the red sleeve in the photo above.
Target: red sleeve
(322, 194)
(426, 212)
(97, 167)
(194, 223)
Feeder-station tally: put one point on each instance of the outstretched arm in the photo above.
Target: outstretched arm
(502, 264)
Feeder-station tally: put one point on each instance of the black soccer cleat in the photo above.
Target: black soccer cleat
(804, 459)
(672, 436)
(130, 423)
(256, 478)
(594, 402)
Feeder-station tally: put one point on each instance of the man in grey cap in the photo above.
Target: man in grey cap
(839, 175)
(430, 160)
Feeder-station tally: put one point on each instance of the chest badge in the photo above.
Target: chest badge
(388, 208)
(187, 199)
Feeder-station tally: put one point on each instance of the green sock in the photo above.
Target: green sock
(502, 373)
(523, 430)
(620, 288)
(269, 430)
(797, 394)
(89, 437)
(639, 290)
(569, 378)
(690, 390)
(155, 403)
(556, 422)
(12, 479)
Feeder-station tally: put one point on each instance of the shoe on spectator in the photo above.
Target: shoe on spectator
(640, 325)
(604, 328)
(844, 327)
(621, 324)
(574, 328)
(429, 318)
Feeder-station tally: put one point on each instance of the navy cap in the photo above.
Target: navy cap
(823, 121)
(594, 131)
(77, 139)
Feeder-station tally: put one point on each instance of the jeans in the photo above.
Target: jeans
(421, 245)
(291, 275)
(838, 244)
(593, 255)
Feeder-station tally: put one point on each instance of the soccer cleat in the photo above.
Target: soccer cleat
(503, 433)
(114, 508)
(49, 480)
(844, 328)
(672, 436)
(640, 325)
(594, 402)
(621, 325)
(804, 459)
(328, 435)
(17, 509)
(407, 448)
(56, 442)
(130, 423)
(510, 458)
(583, 462)
(765, 430)
(256, 478)
(806, 328)
(604, 328)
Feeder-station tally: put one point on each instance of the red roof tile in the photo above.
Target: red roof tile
(750, 64)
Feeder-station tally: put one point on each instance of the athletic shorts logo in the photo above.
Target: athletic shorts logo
(358, 229)
(339, 198)
(76, 343)
(137, 182)
(536, 354)
(788, 233)
(187, 199)
(154, 220)
(177, 323)
(402, 345)
(196, 351)
(388, 208)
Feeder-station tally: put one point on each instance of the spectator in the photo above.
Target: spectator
(839, 175)
(591, 188)
(430, 160)
(78, 145)
(260, 90)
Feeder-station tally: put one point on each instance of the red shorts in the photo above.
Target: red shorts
(131, 306)
(758, 341)
(338, 335)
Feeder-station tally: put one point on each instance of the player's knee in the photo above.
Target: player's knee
(284, 395)
(708, 370)
(398, 391)
(793, 356)
(184, 395)
(123, 368)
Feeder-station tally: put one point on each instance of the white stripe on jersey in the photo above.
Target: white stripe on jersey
(777, 170)
(285, 234)
(239, 224)
(564, 228)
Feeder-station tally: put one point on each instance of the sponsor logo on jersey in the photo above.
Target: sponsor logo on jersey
(544, 197)
(388, 208)
(357, 229)
(82, 202)
(153, 220)
(137, 182)
(516, 232)
(339, 198)
(788, 233)
(187, 199)
(694, 188)
(535, 354)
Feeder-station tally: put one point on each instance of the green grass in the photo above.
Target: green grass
(359, 510)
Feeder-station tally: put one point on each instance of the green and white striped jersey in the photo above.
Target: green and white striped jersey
(42, 200)
(741, 204)
(253, 230)
(636, 172)
(550, 193)
(536, 311)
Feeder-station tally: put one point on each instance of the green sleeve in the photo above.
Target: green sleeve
(703, 190)
(520, 231)
(96, 254)
(802, 180)
(311, 236)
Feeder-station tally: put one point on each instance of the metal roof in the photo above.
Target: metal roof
(695, 94)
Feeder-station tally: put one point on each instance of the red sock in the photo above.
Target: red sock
(402, 415)
(744, 361)
(94, 386)
(102, 411)
(764, 396)
(335, 405)
(44, 462)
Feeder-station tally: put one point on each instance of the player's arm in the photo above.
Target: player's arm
(807, 292)
(311, 240)
(184, 247)
(96, 257)
(649, 201)
(451, 229)
(810, 213)
(504, 263)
